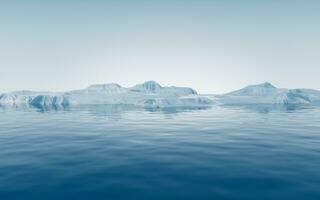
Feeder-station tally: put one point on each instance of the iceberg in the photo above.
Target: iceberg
(149, 94)
(266, 93)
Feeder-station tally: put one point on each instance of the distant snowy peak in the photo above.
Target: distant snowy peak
(263, 89)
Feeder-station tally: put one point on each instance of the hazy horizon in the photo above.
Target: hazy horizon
(211, 46)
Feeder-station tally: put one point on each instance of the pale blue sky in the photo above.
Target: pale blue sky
(212, 46)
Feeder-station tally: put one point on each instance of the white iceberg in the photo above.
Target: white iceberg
(149, 94)
(266, 93)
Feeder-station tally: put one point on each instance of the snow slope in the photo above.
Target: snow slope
(148, 94)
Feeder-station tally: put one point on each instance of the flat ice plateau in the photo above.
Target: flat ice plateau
(150, 94)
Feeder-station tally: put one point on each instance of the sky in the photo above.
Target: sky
(212, 46)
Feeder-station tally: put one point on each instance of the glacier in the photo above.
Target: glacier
(149, 94)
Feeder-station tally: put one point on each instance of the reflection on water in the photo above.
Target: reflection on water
(126, 152)
(103, 109)
(267, 108)
(117, 109)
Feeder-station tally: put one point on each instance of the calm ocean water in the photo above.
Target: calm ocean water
(120, 152)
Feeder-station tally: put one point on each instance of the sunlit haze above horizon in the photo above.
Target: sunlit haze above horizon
(211, 46)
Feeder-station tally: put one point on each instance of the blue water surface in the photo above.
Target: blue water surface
(123, 152)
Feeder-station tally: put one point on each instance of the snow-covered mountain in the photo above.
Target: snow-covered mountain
(266, 93)
(147, 94)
